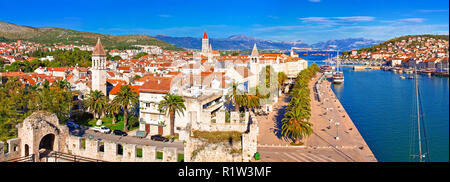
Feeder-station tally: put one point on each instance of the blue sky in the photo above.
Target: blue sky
(310, 21)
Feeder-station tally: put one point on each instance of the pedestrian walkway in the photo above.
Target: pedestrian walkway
(334, 138)
(298, 155)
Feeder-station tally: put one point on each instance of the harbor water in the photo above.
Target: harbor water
(383, 108)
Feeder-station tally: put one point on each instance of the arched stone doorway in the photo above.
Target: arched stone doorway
(47, 142)
(41, 133)
(46, 145)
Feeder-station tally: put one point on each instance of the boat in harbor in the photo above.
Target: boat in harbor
(409, 71)
(402, 77)
(326, 70)
(397, 70)
(411, 77)
(338, 76)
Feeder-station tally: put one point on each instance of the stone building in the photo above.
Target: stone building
(99, 68)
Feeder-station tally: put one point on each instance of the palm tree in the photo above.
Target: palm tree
(236, 96)
(294, 126)
(282, 77)
(173, 104)
(250, 101)
(126, 98)
(113, 108)
(96, 102)
(63, 84)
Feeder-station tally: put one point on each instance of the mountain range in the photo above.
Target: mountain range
(242, 42)
(54, 35)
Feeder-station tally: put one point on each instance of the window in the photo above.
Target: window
(119, 149)
(101, 147)
(6, 148)
(83, 143)
(147, 104)
(139, 152)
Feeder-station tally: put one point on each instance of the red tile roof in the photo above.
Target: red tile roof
(157, 85)
(116, 89)
(98, 50)
(56, 69)
(205, 36)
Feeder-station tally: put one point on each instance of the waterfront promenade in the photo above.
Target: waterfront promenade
(322, 145)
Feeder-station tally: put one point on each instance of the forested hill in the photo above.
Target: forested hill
(53, 35)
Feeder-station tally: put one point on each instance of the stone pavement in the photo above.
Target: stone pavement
(322, 145)
(270, 125)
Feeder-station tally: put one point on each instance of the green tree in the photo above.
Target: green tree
(126, 98)
(18, 101)
(295, 123)
(139, 55)
(235, 96)
(294, 126)
(95, 102)
(116, 58)
(172, 104)
(282, 77)
(113, 108)
(13, 107)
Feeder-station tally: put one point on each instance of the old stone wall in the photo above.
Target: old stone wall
(250, 139)
(38, 125)
(92, 149)
(236, 122)
(10, 150)
(198, 150)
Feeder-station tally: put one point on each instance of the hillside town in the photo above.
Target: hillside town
(203, 79)
(426, 52)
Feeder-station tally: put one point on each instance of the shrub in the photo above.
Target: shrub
(257, 156)
(218, 136)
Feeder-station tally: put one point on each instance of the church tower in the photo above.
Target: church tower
(255, 67)
(205, 44)
(99, 68)
(254, 57)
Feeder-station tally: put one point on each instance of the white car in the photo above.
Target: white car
(101, 129)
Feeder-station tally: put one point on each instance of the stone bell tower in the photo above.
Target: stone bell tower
(99, 68)
(205, 44)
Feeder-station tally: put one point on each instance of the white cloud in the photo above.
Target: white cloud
(433, 10)
(357, 18)
(404, 21)
(337, 20)
(411, 20)
(315, 20)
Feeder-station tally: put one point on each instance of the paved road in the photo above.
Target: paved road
(134, 140)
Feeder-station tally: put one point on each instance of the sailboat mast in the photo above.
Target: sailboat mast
(337, 60)
(418, 113)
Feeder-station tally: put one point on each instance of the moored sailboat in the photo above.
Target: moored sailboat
(338, 76)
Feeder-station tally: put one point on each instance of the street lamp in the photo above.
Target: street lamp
(337, 130)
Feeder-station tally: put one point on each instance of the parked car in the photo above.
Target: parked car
(159, 138)
(101, 129)
(119, 133)
(72, 125)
